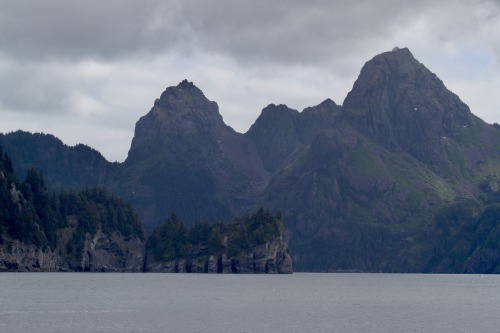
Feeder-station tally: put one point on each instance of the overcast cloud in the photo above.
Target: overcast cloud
(86, 71)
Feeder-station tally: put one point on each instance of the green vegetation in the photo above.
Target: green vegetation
(256, 229)
(173, 239)
(62, 166)
(463, 238)
(94, 209)
(170, 240)
(31, 215)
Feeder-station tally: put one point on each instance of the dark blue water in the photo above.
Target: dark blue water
(92, 302)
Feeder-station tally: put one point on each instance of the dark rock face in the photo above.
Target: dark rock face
(273, 257)
(182, 113)
(101, 253)
(360, 185)
(19, 257)
(109, 253)
(62, 166)
(279, 132)
(184, 159)
(251, 244)
(400, 104)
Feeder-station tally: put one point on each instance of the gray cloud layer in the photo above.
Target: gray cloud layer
(102, 63)
(277, 31)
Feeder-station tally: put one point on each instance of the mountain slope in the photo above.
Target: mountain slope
(184, 159)
(279, 131)
(397, 102)
(362, 187)
(62, 166)
(402, 149)
(355, 201)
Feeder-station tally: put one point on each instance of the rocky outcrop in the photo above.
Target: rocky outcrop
(101, 253)
(19, 257)
(253, 244)
(108, 253)
(273, 257)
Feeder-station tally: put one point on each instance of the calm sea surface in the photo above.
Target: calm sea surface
(302, 302)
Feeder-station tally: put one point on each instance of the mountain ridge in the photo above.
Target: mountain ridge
(358, 184)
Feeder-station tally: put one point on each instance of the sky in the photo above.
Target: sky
(86, 71)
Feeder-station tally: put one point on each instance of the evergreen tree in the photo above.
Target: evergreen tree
(30, 214)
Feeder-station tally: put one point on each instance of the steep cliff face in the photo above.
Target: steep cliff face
(184, 159)
(275, 135)
(106, 253)
(69, 231)
(100, 253)
(400, 104)
(20, 257)
(272, 257)
(280, 133)
(253, 244)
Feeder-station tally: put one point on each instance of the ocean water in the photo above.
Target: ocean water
(302, 302)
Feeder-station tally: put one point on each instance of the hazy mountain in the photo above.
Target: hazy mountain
(375, 185)
(62, 166)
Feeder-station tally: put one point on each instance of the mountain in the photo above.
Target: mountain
(401, 178)
(280, 131)
(401, 105)
(62, 166)
(184, 159)
(403, 148)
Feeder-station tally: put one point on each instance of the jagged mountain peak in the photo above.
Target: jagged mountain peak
(274, 112)
(398, 56)
(182, 114)
(402, 52)
(186, 84)
(183, 86)
(326, 106)
(396, 65)
(327, 102)
(402, 105)
(184, 97)
(280, 130)
(277, 107)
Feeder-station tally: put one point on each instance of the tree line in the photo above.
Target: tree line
(32, 215)
(174, 239)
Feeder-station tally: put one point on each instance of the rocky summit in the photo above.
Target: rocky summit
(401, 105)
(402, 177)
(184, 159)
